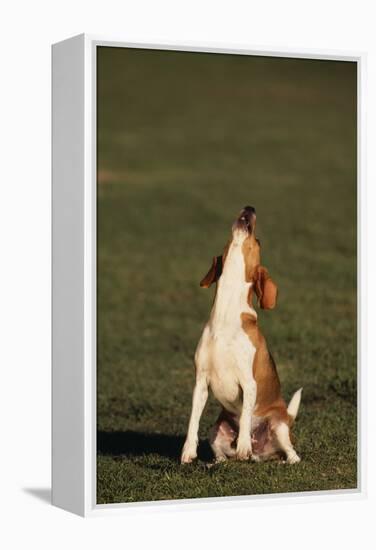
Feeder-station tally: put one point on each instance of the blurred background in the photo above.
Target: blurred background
(184, 141)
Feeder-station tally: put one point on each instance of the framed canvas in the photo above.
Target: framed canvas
(163, 158)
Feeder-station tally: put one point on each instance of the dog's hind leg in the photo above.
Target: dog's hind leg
(282, 434)
(222, 437)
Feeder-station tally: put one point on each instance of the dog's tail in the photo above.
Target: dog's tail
(293, 407)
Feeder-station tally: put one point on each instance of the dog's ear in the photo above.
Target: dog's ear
(265, 288)
(213, 274)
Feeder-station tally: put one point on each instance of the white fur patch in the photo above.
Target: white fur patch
(294, 404)
(225, 352)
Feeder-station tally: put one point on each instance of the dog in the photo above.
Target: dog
(232, 359)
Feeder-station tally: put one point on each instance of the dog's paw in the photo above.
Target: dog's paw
(188, 454)
(187, 459)
(244, 452)
(293, 459)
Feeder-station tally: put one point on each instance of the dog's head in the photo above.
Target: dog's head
(244, 235)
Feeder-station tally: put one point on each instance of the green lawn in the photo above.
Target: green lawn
(184, 141)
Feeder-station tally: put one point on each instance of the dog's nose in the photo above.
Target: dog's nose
(247, 213)
(249, 210)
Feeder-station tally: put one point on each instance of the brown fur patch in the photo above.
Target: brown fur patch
(265, 288)
(269, 401)
(251, 253)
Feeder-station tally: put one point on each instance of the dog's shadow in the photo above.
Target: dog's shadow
(132, 444)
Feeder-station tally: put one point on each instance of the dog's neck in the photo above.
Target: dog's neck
(231, 298)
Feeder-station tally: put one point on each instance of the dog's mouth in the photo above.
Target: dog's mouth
(246, 221)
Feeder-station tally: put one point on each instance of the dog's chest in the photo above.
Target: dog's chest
(225, 350)
(231, 368)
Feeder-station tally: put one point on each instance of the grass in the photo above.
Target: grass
(184, 141)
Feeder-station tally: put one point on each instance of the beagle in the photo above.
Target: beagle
(232, 359)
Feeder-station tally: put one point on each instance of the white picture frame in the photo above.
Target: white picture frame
(74, 276)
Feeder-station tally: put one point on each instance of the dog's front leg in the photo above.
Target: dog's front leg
(200, 396)
(244, 445)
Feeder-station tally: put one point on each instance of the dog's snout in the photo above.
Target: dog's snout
(246, 220)
(248, 211)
